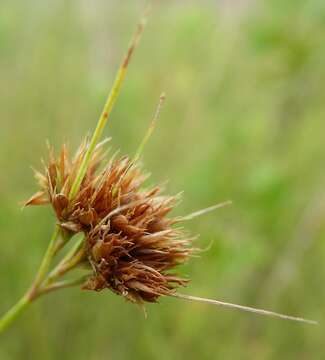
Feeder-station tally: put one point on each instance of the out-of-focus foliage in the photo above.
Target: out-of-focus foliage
(244, 120)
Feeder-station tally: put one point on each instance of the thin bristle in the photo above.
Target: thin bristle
(244, 308)
(151, 128)
(204, 211)
(136, 36)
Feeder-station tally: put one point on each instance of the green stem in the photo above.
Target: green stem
(65, 284)
(14, 312)
(107, 108)
(11, 315)
(18, 308)
(73, 258)
(46, 262)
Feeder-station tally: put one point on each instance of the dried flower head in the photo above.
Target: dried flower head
(56, 181)
(130, 241)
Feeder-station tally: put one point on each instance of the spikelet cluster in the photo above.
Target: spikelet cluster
(131, 241)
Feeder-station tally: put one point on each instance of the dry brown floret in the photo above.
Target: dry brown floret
(131, 242)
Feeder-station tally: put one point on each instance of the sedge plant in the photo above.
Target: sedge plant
(126, 238)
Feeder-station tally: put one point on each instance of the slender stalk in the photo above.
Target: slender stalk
(150, 129)
(73, 257)
(108, 106)
(14, 312)
(244, 308)
(37, 289)
(64, 284)
(11, 315)
(31, 294)
(45, 264)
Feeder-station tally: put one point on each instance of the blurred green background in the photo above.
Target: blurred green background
(244, 120)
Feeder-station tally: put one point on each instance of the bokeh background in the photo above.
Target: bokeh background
(244, 120)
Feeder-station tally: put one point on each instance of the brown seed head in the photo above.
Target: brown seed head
(131, 242)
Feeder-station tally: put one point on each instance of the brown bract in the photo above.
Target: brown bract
(131, 242)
